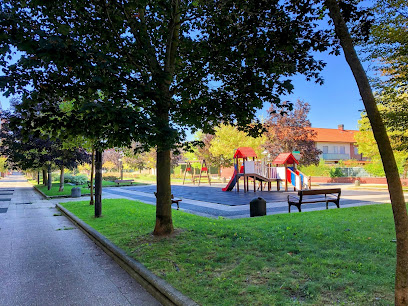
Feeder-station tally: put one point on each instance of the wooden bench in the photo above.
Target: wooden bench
(124, 181)
(175, 201)
(315, 196)
(89, 184)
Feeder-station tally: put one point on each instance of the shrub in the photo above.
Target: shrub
(68, 178)
(55, 177)
(77, 180)
(110, 178)
(313, 170)
(336, 172)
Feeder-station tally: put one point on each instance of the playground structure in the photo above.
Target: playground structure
(265, 173)
(204, 172)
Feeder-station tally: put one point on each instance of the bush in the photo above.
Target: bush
(77, 180)
(110, 178)
(68, 178)
(336, 172)
(312, 170)
(55, 177)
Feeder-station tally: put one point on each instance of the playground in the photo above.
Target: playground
(273, 180)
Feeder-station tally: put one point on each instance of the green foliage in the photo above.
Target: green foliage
(228, 138)
(110, 178)
(343, 255)
(3, 164)
(56, 177)
(316, 170)
(336, 172)
(375, 168)
(76, 179)
(387, 46)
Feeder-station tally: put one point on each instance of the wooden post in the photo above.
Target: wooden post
(286, 177)
(49, 185)
(98, 183)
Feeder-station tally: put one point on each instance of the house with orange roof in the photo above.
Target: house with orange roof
(337, 144)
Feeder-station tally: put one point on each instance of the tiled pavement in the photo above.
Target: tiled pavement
(211, 201)
(45, 260)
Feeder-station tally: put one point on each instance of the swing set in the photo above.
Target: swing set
(204, 173)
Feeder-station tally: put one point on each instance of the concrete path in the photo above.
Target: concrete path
(210, 201)
(45, 260)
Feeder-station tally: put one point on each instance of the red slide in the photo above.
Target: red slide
(232, 182)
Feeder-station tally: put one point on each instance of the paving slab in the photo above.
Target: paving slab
(45, 260)
(211, 201)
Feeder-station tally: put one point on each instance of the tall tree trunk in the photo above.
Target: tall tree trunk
(91, 202)
(98, 184)
(164, 222)
(45, 179)
(390, 166)
(61, 186)
(38, 177)
(49, 177)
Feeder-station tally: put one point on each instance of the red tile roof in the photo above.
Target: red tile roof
(334, 135)
(244, 152)
(285, 158)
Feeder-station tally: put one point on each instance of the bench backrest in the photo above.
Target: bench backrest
(319, 191)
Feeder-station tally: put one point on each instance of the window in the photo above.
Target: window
(335, 149)
(342, 150)
(355, 151)
(325, 149)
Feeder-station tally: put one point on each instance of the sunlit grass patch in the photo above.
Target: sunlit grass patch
(336, 256)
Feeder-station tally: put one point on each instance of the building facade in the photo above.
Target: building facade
(337, 144)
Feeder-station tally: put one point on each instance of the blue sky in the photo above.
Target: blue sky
(335, 102)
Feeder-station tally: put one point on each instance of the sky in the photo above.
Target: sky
(335, 102)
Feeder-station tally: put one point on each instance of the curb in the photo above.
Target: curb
(157, 287)
(57, 196)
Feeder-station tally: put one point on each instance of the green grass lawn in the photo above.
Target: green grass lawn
(338, 256)
(67, 188)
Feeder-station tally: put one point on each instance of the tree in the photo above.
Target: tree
(385, 149)
(34, 152)
(157, 62)
(368, 147)
(387, 46)
(228, 138)
(112, 156)
(290, 131)
(109, 165)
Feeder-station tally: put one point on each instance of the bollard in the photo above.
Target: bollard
(257, 207)
(76, 192)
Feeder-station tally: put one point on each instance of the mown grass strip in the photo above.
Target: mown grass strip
(54, 191)
(337, 256)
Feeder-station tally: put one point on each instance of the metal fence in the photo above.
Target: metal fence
(355, 172)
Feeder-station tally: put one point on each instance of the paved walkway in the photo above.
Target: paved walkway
(45, 260)
(211, 201)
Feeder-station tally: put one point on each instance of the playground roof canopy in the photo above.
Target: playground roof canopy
(244, 152)
(285, 158)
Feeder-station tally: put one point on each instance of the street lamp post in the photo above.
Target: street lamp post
(121, 168)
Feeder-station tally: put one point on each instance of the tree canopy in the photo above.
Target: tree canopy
(146, 71)
(290, 131)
